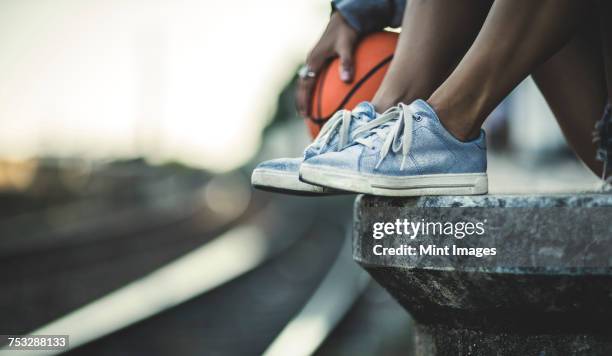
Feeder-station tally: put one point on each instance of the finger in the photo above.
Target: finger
(315, 63)
(304, 95)
(347, 67)
(316, 59)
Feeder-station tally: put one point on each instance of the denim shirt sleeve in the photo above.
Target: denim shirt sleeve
(367, 16)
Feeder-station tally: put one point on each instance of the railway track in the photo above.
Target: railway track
(175, 276)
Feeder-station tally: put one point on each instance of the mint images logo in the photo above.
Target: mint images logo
(414, 229)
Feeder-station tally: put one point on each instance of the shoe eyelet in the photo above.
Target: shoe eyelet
(417, 118)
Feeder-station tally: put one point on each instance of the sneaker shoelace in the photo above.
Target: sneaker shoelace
(394, 126)
(602, 135)
(339, 123)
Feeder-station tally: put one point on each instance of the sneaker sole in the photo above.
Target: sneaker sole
(277, 182)
(433, 184)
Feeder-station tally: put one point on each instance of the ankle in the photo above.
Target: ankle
(454, 121)
(389, 96)
(384, 100)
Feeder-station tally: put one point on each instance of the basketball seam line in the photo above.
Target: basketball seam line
(321, 121)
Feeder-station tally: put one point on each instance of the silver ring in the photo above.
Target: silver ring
(305, 72)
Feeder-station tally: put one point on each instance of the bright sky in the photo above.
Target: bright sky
(192, 80)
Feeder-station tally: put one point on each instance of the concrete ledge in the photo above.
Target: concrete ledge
(548, 290)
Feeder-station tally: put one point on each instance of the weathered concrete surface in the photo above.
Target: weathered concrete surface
(547, 292)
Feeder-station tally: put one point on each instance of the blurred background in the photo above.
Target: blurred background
(128, 130)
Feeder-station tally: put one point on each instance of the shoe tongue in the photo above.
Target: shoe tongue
(421, 107)
(364, 110)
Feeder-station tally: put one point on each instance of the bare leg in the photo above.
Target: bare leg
(573, 84)
(435, 36)
(517, 37)
(605, 16)
(604, 127)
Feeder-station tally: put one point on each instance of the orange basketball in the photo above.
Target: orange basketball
(372, 57)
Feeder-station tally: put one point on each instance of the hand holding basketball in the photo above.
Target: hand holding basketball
(371, 58)
(338, 40)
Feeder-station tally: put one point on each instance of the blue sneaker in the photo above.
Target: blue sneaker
(411, 154)
(282, 174)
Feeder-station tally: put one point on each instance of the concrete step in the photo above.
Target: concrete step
(543, 287)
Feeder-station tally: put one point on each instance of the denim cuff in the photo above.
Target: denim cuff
(367, 16)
